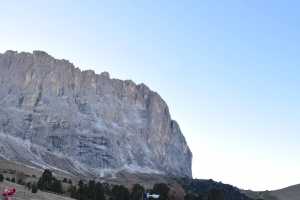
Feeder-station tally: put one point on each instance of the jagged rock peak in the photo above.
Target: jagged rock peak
(55, 115)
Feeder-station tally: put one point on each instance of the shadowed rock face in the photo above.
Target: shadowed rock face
(55, 115)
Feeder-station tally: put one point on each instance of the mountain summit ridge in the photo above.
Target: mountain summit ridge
(54, 115)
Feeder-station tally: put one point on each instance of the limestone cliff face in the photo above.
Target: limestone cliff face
(55, 115)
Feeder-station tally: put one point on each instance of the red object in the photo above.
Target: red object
(9, 192)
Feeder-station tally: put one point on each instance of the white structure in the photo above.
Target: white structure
(153, 196)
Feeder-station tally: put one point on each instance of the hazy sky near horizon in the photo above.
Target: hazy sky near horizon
(230, 72)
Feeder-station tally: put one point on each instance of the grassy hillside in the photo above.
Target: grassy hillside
(289, 193)
(179, 188)
(63, 185)
(24, 194)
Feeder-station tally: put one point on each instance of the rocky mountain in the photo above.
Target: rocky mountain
(53, 115)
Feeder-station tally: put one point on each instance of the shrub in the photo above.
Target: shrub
(1, 177)
(72, 191)
(20, 177)
(20, 182)
(34, 188)
(28, 185)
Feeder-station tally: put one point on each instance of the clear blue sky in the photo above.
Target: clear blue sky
(230, 72)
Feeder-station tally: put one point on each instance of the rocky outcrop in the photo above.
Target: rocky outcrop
(55, 115)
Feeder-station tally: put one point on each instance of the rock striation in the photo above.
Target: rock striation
(54, 115)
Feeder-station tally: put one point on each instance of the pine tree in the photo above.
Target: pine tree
(99, 192)
(56, 186)
(120, 193)
(163, 190)
(46, 180)
(81, 194)
(215, 194)
(137, 192)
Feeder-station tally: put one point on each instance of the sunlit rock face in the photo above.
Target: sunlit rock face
(55, 115)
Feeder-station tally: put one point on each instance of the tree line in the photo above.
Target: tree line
(93, 190)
